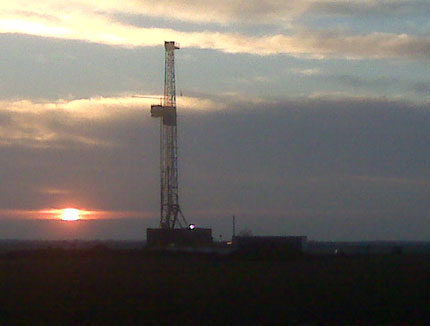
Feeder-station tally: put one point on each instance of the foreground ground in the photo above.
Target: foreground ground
(129, 287)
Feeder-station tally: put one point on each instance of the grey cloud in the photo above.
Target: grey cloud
(337, 159)
(273, 11)
(376, 45)
(346, 160)
(422, 87)
(255, 11)
(371, 8)
(359, 82)
(305, 44)
(314, 127)
(376, 84)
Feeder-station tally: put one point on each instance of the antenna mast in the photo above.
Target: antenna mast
(170, 212)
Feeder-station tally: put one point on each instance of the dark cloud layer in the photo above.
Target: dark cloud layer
(304, 164)
(422, 88)
(372, 8)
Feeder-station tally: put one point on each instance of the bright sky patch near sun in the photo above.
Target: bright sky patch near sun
(266, 89)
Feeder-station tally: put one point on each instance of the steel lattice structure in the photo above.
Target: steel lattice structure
(170, 212)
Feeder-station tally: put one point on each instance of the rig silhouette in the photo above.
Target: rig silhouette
(174, 229)
(170, 211)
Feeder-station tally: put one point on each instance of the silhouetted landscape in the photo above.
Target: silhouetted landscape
(99, 285)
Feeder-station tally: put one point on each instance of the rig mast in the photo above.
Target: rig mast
(170, 212)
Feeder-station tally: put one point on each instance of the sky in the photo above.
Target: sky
(298, 117)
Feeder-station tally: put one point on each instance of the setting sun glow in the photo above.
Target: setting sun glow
(70, 214)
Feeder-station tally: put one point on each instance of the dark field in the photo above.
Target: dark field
(130, 287)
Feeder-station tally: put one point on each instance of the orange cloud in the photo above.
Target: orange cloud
(29, 123)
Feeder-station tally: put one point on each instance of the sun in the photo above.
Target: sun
(70, 214)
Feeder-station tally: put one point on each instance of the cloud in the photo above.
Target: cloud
(370, 7)
(222, 12)
(272, 11)
(378, 86)
(360, 82)
(375, 45)
(97, 27)
(39, 124)
(347, 159)
(307, 72)
(422, 88)
(255, 11)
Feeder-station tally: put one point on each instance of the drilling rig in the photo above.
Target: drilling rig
(170, 212)
(174, 228)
